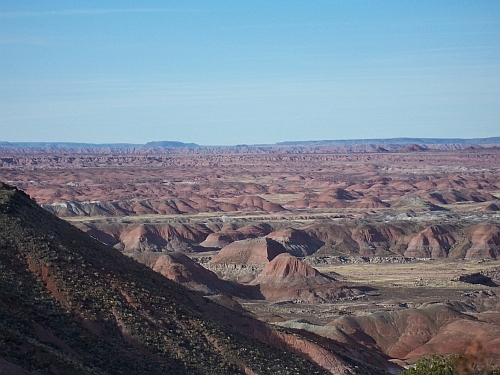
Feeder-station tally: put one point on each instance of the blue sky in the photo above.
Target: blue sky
(233, 72)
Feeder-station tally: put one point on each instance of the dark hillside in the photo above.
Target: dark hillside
(70, 305)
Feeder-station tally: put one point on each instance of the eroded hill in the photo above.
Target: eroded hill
(69, 304)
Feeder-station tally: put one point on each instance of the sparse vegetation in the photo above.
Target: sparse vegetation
(472, 364)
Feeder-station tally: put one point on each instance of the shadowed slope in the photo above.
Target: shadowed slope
(70, 305)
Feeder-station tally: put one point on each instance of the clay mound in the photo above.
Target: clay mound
(460, 336)
(425, 185)
(256, 230)
(287, 269)
(227, 207)
(491, 207)
(311, 200)
(399, 333)
(463, 195)
(70, 209)
(371, 240)
(340, 194)
(140, 239)
(249, 252)
(370, 202)
(256, 203)
(229, 234)
(337, 239)
(401, 186)
(296, 242)
(181, 269)
(485, 240)
(414, 202)
(450, 182)
(220, 239)
(275, 189)
(286, 278)
(161, 237)
(358, 187)
(433, 242)
(129, 207)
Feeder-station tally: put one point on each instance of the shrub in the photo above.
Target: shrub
(452, 365)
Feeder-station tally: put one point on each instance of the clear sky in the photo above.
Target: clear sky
(233, 72)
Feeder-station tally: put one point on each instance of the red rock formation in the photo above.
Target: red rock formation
(181, 269)
(433, 242)
(401, 334)
(255, 202)
(485, 241)
(249, 252)
(153, 237)
(296, 242)
(370, 202)
(491, 207)
(459, 336)
(461, 195)
(286, 278)
(230, 233)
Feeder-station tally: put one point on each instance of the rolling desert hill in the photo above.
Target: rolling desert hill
(71, 305)
(328, 239)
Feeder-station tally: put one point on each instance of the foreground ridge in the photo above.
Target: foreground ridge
(69, 304)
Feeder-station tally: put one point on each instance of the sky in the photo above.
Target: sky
(248, 72)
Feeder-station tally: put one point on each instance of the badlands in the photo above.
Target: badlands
(392, 252)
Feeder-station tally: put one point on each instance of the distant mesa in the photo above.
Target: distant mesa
(413, 148)
(170, 144)
(346, 145)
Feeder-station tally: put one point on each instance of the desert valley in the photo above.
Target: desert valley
(302, 258)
